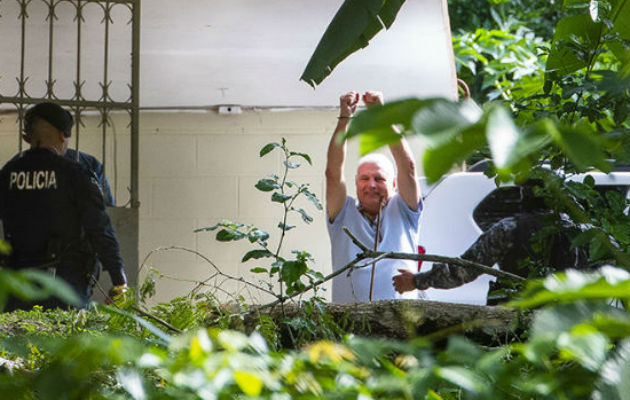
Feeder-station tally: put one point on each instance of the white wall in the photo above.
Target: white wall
(208, 52)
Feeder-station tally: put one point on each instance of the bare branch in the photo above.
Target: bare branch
(450, 260)
(204, 282)
(156, 319)
(355, 240)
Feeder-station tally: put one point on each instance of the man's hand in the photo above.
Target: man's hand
(403, 282)
(373, 98)
(115, 291)
(348, 104)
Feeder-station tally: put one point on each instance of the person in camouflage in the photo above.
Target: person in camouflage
(514, 244)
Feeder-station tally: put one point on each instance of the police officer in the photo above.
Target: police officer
(507, 242)
(89, 162)
(53, 210)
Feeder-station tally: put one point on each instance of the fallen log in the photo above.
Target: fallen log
(407, 319)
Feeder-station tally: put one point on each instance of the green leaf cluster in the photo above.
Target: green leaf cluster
(453, 131)
(291, 274)
(577, 347)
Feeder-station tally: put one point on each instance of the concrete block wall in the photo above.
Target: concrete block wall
(199, 167)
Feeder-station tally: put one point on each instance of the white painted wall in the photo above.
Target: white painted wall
(208, 52)
(264, 47)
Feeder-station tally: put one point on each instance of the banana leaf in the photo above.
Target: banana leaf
(351, 29)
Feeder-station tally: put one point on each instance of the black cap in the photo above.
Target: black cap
(51, 113)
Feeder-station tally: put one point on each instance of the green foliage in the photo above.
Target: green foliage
(5, 248)
(576, 75)
(292, 273)
(288, 272)
(453, 131)
(577, 347)
(33, 285)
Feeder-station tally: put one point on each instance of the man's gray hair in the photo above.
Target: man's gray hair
(382, 161)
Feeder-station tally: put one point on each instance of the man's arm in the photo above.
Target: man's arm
(489, 249)
(335, 182)
(98, 229)
(406, 179)
(93, 165)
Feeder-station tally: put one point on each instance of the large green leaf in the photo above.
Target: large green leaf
(440, 121)
(502, 135)
(381, 118)
(527, 143)
(571, 34)
(438, 161)
(586, 346)
(621, 20)
(605, 283)
(375, 139)
(614, 383)
(375, 124)
(32, 285)
(582, 145)
(356, 22)
(451, 131)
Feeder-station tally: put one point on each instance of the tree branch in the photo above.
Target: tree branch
(367, 253)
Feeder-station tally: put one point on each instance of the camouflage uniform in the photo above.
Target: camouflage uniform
(507, 242)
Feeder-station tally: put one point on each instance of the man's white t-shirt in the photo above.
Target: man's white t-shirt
(398, 232)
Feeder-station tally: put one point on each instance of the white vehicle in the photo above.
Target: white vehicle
(459, 206)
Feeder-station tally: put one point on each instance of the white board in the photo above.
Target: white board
(246, 52)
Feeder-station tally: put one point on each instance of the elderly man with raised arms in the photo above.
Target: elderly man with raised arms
(387, 202)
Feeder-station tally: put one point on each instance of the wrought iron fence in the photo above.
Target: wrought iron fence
(81, 54)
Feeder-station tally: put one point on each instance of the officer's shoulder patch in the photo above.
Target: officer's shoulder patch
(95, 182)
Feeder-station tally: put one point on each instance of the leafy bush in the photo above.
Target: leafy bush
(578, 347)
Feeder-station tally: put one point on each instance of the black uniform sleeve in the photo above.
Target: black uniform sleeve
(490, 248)
(98, 227)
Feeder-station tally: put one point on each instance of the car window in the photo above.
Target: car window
(500, 203)
(506, 201)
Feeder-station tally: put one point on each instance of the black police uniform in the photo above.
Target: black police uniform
(53, 214)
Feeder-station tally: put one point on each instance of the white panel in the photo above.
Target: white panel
(247, 52)
(447, 228)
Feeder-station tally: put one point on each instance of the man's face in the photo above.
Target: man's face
(372, 185)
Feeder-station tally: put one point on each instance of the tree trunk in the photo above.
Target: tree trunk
(406, 319)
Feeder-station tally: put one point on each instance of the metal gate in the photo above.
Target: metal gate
(83, 55)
